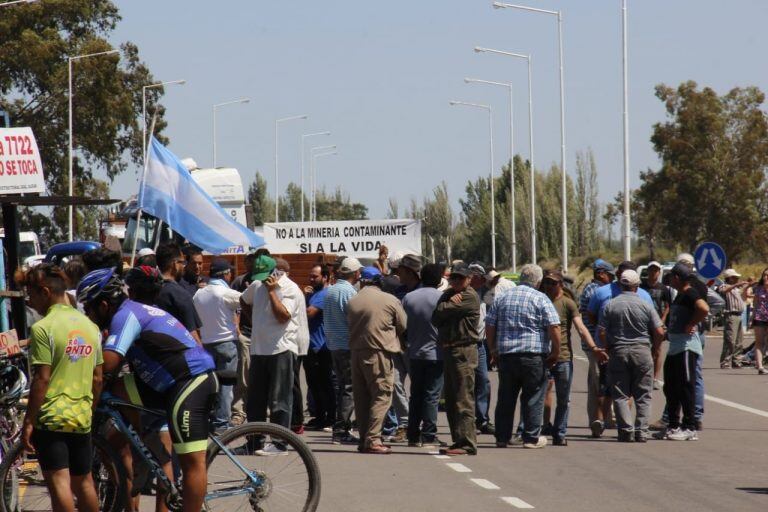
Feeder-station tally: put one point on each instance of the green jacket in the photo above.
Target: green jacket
(457, 324)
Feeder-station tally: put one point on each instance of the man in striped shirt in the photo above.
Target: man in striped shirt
(734, 307)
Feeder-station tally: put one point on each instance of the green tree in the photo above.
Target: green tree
(36, 41)
(338, 206)
(263, 206)
(711, 184)
(586, 206)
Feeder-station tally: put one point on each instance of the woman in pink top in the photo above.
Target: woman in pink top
(760, 322)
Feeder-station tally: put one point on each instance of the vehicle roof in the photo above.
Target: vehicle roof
(67, 248)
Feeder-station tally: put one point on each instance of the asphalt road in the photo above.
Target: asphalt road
(723, 471)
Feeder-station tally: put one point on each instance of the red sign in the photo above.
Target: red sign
(21, 170)
(9, 344)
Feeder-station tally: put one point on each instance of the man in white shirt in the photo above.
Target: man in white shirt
(216, 305)
(279, 335)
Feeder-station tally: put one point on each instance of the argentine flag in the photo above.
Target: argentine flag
(169, 193)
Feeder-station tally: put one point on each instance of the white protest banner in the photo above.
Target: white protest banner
(21, 171)
(357, 238)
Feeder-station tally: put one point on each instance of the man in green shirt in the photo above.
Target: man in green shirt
(66, 360)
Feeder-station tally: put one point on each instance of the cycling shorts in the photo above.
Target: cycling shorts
(188, 405)
(62, 450)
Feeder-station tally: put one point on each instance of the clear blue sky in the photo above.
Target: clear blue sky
(380, 75)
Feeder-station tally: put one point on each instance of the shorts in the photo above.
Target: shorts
(188, 406)
(63, 450)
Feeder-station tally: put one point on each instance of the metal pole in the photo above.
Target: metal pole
(214, 136)
(312, 213)
(562, 143)
(277, 186)
(493, 191)
(143, 125)
(627, 239)
(302, 178)
(71, 208)
(512, 180)
(533, 168)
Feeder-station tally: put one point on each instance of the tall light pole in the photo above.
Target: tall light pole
(314, 170)
(216, 106)
(303, 154)
(627, 239)
(511, 162)
(529, 59)
(70, 60)
(14, 2)
(493, 193)
(559, 14)
(277, 176)
(313, 179)
(144, 114)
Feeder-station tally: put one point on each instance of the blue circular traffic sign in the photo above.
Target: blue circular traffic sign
(709, 259)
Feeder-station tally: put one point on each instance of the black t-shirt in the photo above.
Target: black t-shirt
(240, 283)
(660, 294)
(176, 301)
(682, 309)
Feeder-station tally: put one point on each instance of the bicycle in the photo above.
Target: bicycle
(235, 482)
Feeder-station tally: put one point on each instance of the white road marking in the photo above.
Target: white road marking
(459, 468)
(516, 502)
(722, 401)
(438, 456)
(485, 484)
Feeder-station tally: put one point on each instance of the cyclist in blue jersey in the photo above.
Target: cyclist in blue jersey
(169, 370)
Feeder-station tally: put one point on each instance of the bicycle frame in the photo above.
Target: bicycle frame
(109, 409)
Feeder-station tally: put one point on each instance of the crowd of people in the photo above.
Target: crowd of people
(383, 347)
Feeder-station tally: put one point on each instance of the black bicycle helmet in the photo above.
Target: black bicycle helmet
(13, 382)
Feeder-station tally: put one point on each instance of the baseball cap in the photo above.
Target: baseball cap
(349, 265)
(602, 265)
(729, 272)
(369, 273)
(145, 252)
(654, 264)
(220, 266)
(461, 269)
(476, 268)
(553, 275)
(630, 278)
(681, 270)
(685, 257)
(394, 259)
(411, 262)
(262, 267)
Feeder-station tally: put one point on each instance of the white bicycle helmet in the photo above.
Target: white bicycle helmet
(13, 382)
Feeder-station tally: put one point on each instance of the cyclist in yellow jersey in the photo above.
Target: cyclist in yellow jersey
(66, 362)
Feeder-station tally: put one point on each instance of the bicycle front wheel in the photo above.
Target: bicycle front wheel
(268, 468)
(23, 489)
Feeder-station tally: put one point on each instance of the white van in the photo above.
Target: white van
(29, 244)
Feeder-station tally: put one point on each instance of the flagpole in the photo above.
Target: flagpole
(141, 189)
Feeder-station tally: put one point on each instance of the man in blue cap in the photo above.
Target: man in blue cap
(602, 274)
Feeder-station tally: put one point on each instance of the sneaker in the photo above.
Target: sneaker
(346, 438)
(415, 444)
(559, 441)
(541, 443)
(516, 440)
(660, 425)
(624, 436)
(328, 429)
(677, 434)
(434, 442)
(272, 450)
(488, 428)
(657, 384)
(399, 436)
(725, 366)
(502, 444)
(597, 428)
(762, 371)
(640, 437)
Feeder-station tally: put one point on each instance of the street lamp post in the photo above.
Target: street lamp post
(144, 114)
(14, 2)
(493, 194)
(277, 176)
(217, 105)
(627, 239)
(314, 170)
(559, 14)
(313, 179)
(70, 60)
(303, 154)
(511, 162)
(529, 59)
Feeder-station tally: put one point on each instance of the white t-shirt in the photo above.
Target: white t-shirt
(216, 305)
(268, 336)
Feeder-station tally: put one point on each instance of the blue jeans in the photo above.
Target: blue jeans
(524, 375)
(426, 385)
(397, 415)
(482, 387)
(562, 374)
(225, 357)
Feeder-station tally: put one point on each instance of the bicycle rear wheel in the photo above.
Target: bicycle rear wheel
(23, 489)
(286, 473)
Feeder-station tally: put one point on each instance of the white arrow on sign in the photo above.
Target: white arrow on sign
(713, 255)
(717, 261)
